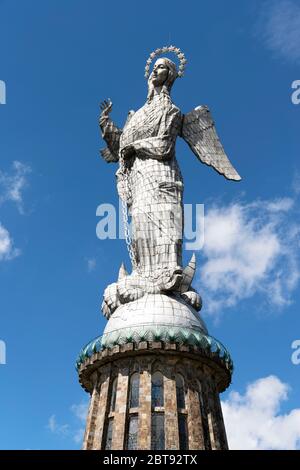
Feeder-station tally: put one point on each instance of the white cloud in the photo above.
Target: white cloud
(78, 436)
(12, 184)
(74, 431)
(7, 250)
(11, 189)
(279, 27)
(280, 204)
(253, 421)
(91, 264)
(250, 249)
(55, 428)
(80, 411)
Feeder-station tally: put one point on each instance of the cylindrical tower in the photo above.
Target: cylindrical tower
(154, 377)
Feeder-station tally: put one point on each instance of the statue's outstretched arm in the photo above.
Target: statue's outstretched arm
(198, 130)
(110, 133)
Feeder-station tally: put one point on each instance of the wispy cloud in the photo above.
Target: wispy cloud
(80, 411)
(78, 435)
(91, 264)
(12, 184)
(7, 249)
(74, 431)
(250, 249)
(59, 429)
(253, 421)
(279, 28)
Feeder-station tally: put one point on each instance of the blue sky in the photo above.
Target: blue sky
(59, 60)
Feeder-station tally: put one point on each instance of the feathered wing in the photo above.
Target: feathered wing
(199, 132)
(108, 156)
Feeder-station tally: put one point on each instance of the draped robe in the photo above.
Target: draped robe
(154, 182)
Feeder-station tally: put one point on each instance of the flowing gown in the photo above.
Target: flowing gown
(155, 185)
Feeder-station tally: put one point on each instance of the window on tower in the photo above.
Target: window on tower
(113, 395)
(180, 393)
(132, 432)
(108, 439)
(158, 431)
(109, 422)
(158, 415)
(157, 390)
(134, 390)
(182, 429)
(131, 440)
(182, 413)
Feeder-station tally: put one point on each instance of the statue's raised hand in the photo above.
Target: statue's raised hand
(106, 107)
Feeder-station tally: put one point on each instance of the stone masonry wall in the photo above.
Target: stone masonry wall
(205, 426)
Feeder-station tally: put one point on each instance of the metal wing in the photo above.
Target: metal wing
(199, 132)
(108, 156)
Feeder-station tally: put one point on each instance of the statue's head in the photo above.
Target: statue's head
(163, 76)
(164, 73)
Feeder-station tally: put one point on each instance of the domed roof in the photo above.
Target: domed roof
(154, 311)
(156, 317)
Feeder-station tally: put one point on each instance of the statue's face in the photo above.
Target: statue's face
(160, 73)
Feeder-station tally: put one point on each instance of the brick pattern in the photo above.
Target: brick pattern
(218, 418)
(202, 403)
(144, 438)
(92, 416)
(171, 417)
(100, 409)
(119, 426)
(215, 417)
(196, 438)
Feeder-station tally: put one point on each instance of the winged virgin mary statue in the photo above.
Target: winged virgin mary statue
(150, 185)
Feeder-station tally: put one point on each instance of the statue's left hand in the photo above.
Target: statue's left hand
(106, 107)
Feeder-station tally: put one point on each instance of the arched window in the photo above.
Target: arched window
(182, 413)
(158, 431)
(108, 437)
(132, 432)
(183, 434)
(134, 390)
(132, 416)
(158, 415)
(157, 390)
(113, 395)
(109, 422)
(180, 393)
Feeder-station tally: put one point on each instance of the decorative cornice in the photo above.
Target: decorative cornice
(210, 361)
(188, 337)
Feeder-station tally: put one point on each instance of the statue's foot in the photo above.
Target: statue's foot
(193, 298)
(129, 290)
(131, 287)
(110, 300)
(170, 279)
(125, 290)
